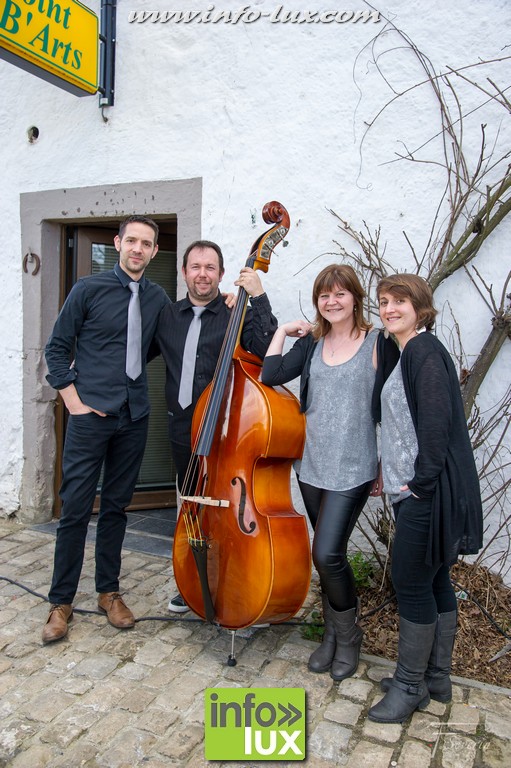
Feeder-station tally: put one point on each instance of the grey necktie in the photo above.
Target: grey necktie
(134, 341)
(189, 357)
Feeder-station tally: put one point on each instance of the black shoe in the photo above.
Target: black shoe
(178, 605)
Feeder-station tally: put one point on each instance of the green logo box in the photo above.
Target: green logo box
(254, 723)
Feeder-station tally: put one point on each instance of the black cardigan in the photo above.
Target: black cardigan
(445, 469)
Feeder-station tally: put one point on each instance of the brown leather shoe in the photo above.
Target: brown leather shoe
(117, 612)
(56, 626)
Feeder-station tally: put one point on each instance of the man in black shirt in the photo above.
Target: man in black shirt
(87, 357)
(203, 269)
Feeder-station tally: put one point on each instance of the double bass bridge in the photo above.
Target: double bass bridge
(208, 501)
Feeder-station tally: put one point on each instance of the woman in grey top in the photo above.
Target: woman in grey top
(336, 360)
(430, 474)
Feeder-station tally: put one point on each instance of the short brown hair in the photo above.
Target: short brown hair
(201, 244)
(415, 288)
(339, 276)
(139, 220)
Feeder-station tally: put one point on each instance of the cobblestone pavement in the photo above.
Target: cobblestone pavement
(123, 699)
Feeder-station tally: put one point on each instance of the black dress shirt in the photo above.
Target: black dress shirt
(92, 327)
(258, 329)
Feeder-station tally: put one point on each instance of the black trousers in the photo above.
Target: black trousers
(422, 591)
(91, 441)
(333, 515)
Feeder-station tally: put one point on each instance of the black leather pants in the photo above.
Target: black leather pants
(333, 515)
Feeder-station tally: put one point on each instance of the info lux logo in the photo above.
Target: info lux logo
(254, 723)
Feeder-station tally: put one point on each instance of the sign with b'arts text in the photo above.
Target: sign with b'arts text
(57, 40)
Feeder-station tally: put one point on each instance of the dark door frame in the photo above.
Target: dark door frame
(43, 214)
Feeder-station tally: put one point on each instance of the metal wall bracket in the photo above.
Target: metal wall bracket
(107, 39)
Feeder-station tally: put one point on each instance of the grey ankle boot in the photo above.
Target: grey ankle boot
(408, 690)
(348, 639)
(437, 675)
(321, 659)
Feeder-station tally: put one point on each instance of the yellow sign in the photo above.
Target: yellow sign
(56, 40)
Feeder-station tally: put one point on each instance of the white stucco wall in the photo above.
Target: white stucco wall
(264, 111)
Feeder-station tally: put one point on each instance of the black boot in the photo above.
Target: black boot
(408, 690)
(321, 659)
(439, 665)
(348, 639)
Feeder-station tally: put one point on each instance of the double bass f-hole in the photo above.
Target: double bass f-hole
(241, 506)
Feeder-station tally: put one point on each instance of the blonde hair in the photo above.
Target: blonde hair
(339, 276)
(415, 288)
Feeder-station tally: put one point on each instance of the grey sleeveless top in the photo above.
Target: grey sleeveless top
(399, 447)
(340, 443)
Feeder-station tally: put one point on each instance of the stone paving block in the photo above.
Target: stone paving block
(180, 742)
(14, 733)
(424, 726)
(369, 755)
(129, 748)
(30, 665)
(497, 725)
(162, 676)
(457, 751)
(329, 741)
(378, 672)
(19, 649)
(206, 663)
(496, 753)
(37, 756)
(463, 718)
(132, 671)
(240, 675)
(187, 652)
(80, 753)
(414, 754)
(436, 708)
(61, 658)
(7, 683)
(33, 685)
(182, 629)
(7, 614)
(46, 706)
(295, 653)
(490, 701)
(69, 726)
(151, 653)
(137, 700)
(352, 688)
(109, 725)
(104, 695)
(252, 659)
(343, 711)
(75, 685)
(156, 720)
(97, 666)
(387, 732)
(183, 692)
(277, 669)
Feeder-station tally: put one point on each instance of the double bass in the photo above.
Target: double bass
(241, 552)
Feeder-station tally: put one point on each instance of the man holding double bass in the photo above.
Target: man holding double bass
(190, 334)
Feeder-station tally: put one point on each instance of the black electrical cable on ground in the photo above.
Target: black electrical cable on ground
(86, 611)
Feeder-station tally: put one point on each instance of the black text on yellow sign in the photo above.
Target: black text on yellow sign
(59, 38)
